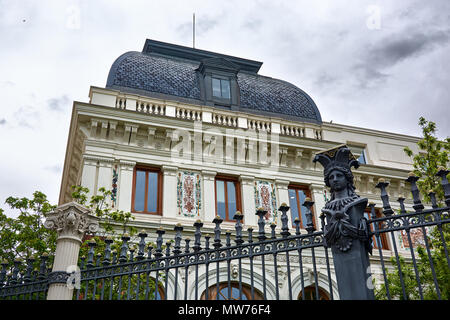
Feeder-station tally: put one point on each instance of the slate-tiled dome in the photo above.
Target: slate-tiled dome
(163, 76)
(136, 70)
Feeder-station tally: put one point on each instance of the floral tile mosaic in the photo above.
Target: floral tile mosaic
(189, 197)
(265, 196)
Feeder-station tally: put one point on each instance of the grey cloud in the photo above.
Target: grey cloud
(326, 80)
(400, 47)
(2, 122)
(184, 28)
(368, 76)
(27, 116)
(58, 104)
(205, 23)
(252, 24)
(375, 61)
(202, 25)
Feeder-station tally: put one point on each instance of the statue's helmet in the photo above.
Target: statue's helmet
(337, 158)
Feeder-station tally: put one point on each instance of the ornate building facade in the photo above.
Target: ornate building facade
(180, 134)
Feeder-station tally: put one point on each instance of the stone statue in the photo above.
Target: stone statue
(346, 230)
(343, 223)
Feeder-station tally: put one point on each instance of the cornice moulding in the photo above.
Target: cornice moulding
(98, 158)
(377, 133)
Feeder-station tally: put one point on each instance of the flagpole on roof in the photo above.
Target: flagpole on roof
(193, 30)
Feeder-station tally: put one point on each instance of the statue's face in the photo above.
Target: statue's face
(337, 180)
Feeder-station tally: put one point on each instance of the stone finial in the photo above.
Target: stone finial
(72, 220)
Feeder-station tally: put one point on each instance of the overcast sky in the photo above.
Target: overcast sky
(372, 64)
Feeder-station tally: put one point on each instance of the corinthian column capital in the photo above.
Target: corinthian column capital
(72, 221)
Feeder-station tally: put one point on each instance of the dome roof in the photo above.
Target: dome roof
(171, 74)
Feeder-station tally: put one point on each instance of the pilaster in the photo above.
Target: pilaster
(169, 191)
(209, 197)
(125, 185)
(89, 175)
(283, 196)
(248, 200)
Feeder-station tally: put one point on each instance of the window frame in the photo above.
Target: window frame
(237, 187)
(221, 100)
(363, 156)
(383, 237)
(310, 293)
(246, 291)
(307, 193)
(221, 79)
(147, 169)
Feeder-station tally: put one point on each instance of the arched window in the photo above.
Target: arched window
(310, 294)
(231, 292)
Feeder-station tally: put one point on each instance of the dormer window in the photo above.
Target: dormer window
(221, 88)
(218, 82)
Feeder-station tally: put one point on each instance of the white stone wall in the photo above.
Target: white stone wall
(251, 148)
(220, 144)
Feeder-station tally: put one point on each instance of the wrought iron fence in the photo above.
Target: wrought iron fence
(430, 274)
(24, 282)
(211, 268)
(255, 264)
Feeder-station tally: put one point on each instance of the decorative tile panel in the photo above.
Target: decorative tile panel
(265, 196)
(114, 187)
(417, 238)
(189, 197)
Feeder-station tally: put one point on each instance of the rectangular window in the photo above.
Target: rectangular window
(221, 88)
(146, 194)
(225, 88)
(362, 157)
(228, 199)
(216, 88)
(297, 195)
(382, 240)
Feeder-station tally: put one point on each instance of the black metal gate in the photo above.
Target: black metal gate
(256, 264)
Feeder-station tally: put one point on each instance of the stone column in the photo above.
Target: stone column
(71, 221)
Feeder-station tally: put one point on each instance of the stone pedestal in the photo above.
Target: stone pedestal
(71, 221)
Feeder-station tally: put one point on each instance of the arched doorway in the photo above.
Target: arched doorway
(231, 292)
(310, 294)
